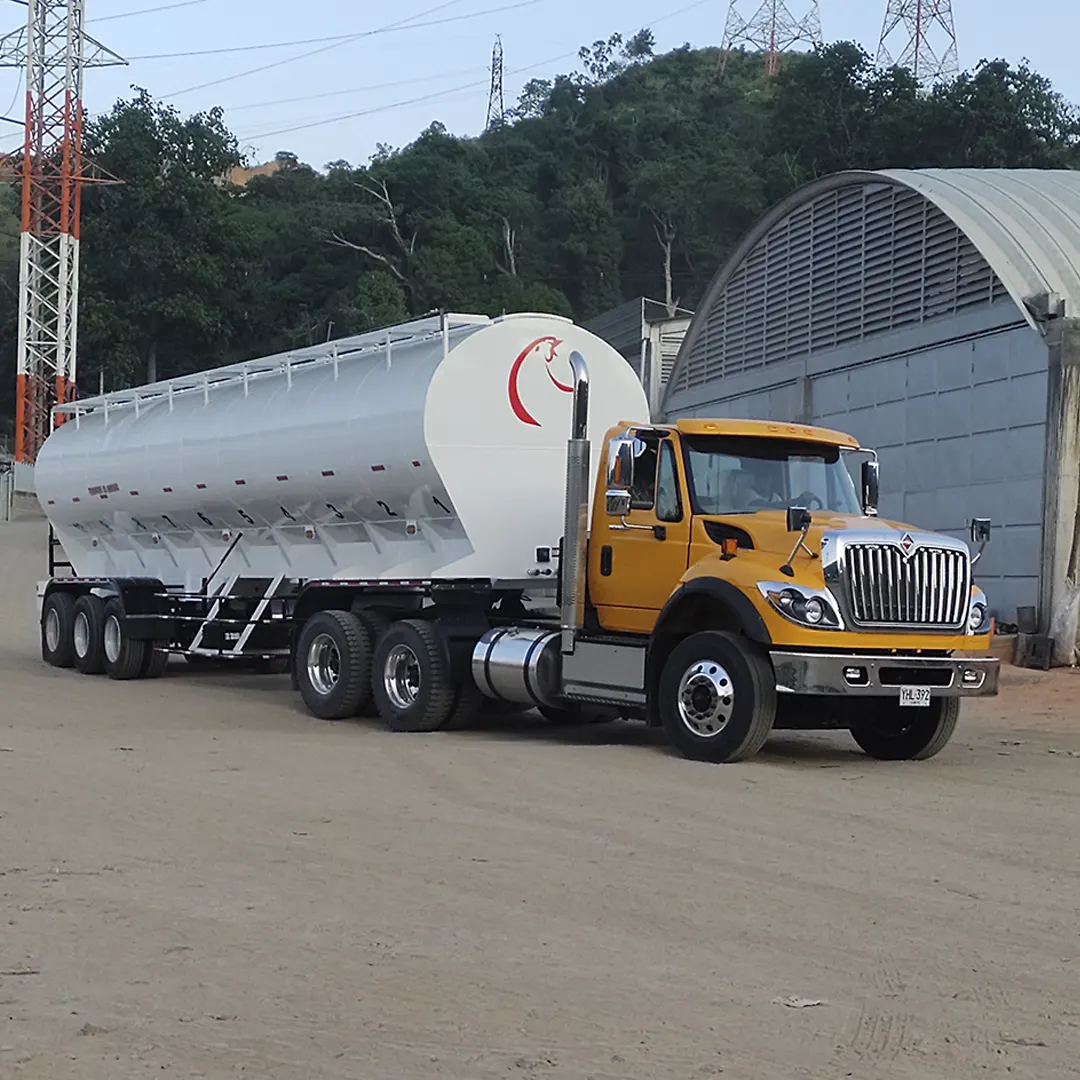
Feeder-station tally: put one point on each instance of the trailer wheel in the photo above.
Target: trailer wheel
(157, 660)
(57, 621)
(88, 634)
(413, 687)
(333, 665)
(896, 734)
(124, 655)
(717, 697)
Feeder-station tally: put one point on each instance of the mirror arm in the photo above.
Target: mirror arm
(787, 569)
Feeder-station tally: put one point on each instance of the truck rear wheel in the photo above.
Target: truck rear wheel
(893, 733)
(88, 634)
(717, 697)
(57, 621)
(333, 665)
(124, 655)
(414, 690)
(468, 705)
(157, 660)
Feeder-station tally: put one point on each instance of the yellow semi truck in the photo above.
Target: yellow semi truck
(764, 591)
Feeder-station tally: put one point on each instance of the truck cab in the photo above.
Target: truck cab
(757, 533)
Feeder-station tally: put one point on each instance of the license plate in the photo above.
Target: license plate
(917, 696)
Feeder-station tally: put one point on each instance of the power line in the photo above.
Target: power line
(401, 24)
(354, 90)
(401, 104)
(445, 93)
(147, 11)
(338, 39)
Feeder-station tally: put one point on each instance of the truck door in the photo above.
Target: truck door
(635, 564)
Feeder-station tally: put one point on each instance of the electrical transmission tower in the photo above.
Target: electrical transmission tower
(54, 51)
(496, 113)
(772, 29)
(920, 35)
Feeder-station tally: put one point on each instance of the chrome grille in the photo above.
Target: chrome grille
(931, 587)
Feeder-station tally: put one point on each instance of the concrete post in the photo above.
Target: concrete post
(1059, 587)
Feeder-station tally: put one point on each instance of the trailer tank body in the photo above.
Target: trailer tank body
(433, 450)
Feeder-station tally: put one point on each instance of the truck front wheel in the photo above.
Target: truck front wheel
(717, 697)
(892, 733)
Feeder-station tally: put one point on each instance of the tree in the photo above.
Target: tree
(163, 256)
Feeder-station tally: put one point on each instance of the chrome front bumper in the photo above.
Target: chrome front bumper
(882, 676)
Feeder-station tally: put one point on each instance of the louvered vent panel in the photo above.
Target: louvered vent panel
(855, 263)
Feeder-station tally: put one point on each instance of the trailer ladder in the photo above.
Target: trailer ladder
(257, 614)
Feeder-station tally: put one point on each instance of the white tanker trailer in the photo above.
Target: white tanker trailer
(403, 518)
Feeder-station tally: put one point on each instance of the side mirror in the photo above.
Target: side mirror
(618, 503)
(871, 487)
(980, 531)
(621, 454)
(799, 519)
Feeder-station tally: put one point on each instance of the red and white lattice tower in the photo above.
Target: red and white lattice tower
(54, 51)
(920, 35)
(773, 28)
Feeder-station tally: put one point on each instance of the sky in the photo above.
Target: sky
(333, 79)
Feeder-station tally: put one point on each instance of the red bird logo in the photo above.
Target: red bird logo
(550, 345)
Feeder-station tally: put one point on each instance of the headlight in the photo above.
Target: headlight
(811, 608)
(978, 614)
(814, 611)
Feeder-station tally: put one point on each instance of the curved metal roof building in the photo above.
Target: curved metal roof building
(932, 314)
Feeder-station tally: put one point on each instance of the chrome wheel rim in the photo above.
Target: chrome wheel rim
(113, 638)
(706, 698)
(401, 677)
(323, 664)
(52, 630)
(80, 633)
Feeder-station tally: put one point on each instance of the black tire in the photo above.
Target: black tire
(907, 734)
(57, 622)
(693, 697)
(333, 665)
(124, 655)
(414, 691)
(157, 660)
(87, 635)
(376, 622)
(575, 715)
(468, 705)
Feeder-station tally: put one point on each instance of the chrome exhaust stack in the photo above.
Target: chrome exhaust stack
(572, 556)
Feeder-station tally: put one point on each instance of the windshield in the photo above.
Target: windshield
(739, 475)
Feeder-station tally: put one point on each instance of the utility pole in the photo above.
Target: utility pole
(920, 35)
(772, 29)
(496, 111)
(55, 51)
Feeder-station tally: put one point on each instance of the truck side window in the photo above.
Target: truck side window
(668, 503)
(643, 493)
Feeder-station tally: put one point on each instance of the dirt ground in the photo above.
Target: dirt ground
(196, 878)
